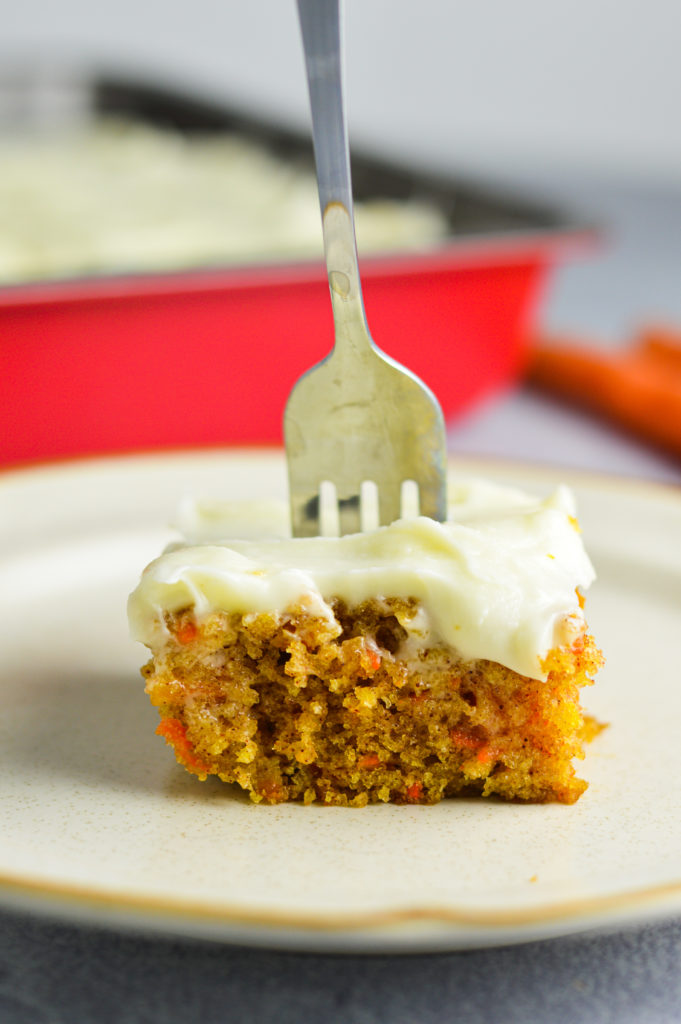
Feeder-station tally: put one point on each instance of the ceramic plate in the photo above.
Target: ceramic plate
(98, 822)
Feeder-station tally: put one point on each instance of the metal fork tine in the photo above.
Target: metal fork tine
(369, 511)
(410, 499)
(329, 525)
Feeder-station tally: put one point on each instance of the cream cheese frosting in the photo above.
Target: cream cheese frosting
(499, 580)
(117, 195)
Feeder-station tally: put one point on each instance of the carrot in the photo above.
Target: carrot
(414, 792)
(462, 739)
(172, 730)
(568, 370)
(175, 733)
(186, 633)
(369, 761)
(578, 645)
(637, 389)
(662, 344)
(374, 659)
(486, 754)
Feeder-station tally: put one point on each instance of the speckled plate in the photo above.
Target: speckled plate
(97, 821)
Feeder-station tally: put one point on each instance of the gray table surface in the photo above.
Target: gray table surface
(63, 972)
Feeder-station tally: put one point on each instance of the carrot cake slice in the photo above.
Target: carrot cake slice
(417, 661)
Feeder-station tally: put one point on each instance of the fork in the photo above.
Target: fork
(358, 421)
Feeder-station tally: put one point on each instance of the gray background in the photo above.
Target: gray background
(489, 85)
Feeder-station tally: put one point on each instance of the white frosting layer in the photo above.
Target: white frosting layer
(116, 195)
(497, 581)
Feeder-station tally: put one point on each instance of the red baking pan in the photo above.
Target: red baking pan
(208, 356)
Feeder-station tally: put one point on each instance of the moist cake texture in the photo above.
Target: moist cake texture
(411, 663)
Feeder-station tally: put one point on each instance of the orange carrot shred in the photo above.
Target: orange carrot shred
(186, 633)
(639, 388)
(485, 754)
(175, 733)
(369, 761)
(374, 659)
(462, 738)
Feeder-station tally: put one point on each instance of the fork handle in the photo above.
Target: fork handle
(320, 24)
